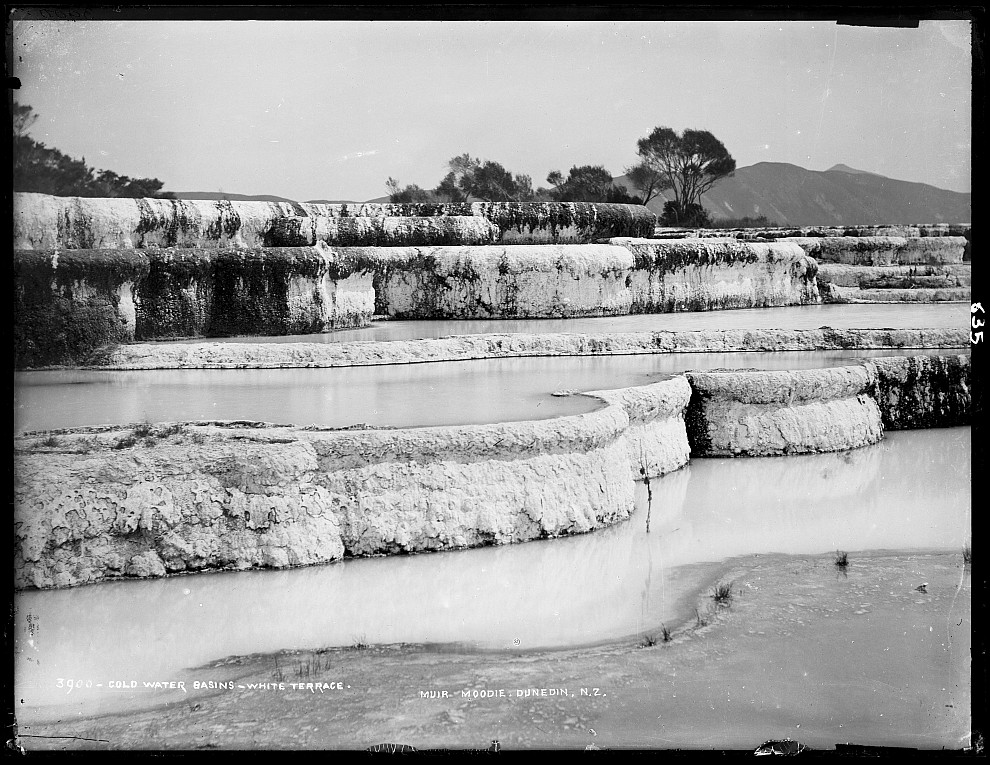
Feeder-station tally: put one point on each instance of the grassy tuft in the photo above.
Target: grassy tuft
(665, 633)
(649, 641)
(722, 593)
(841, 558)
(51, 441)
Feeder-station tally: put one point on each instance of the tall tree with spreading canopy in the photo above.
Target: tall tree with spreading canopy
(688, 165)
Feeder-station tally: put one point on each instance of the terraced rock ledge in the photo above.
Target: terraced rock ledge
(94, 504)
(288, 355)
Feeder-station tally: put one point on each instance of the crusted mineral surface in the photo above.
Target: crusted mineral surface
(924, 391)
(761, 413)
(279, 355)
(100, 503)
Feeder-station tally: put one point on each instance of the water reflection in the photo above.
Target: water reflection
(910, 491)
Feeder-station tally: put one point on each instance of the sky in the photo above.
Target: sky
(332, 109)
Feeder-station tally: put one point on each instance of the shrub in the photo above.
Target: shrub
(722, 593)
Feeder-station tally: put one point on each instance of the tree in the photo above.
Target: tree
(489, 181)
(689, 216)
(411, 193)
(688, 165)
(43, 170)
(588, 183)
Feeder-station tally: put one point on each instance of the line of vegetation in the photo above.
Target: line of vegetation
(685, 165)
(43, 170)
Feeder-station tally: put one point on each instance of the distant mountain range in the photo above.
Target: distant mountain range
(250, 197)
(788, 195)
(792, 196)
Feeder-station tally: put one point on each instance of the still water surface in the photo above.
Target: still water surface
(847, 316)
(406, 395)
(910, 491)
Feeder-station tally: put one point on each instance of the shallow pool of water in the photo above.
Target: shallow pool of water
(848, 316)
(406, 395)
(910, 491)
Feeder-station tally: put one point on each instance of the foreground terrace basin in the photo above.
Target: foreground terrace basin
(908, 492)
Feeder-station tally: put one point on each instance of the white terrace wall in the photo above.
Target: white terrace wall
(896, 277)
(505, 281)
(883, 250)
(702, 275)
(43, 222)
(106, 504)
(69, 303)
(772, 413)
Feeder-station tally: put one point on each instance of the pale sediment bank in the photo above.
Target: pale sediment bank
(786, 659)
(99, 503)
(357, 353)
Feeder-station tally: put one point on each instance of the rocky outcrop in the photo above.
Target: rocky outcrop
(771, 233)
(43, 222)
(285, 355)
(702, 275)
(895, 277)
(70, 302)
(100, 503)
(298, 231)
(508, 281)
(882, 250)
(924, 391)
(754, 413)
(834, 294)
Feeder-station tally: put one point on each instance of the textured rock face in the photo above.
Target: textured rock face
(70, 302)
(834, 294)
(43, 222)
(279, 355)
(511, 281)
(883, 250)
(173, 506)
(656, 438)
(109, 502)
(366, 231)
(773, 413)
(924, 391)
(751, 234)
(896, 277)
(705, 274)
